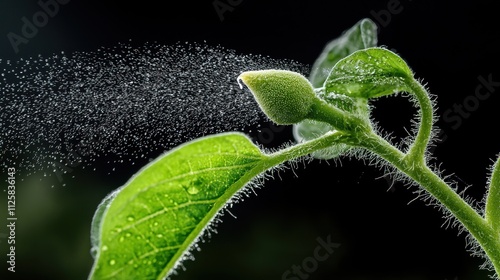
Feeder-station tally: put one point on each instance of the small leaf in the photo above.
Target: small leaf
(150, 224)
(493, 198)
(360, 36)
(369, 73)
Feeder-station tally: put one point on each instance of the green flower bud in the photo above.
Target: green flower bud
(286, 97)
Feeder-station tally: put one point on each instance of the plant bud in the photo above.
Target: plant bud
(286, 97)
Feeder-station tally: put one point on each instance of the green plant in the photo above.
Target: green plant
(151, 224)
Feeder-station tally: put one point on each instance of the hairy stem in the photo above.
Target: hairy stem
(416, 153)
(324, 112)
(306, 148)
(434, 185)
(270, 161)
(492, 214)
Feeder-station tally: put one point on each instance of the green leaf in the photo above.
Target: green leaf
(370, 73)
(149, 226)
(493, 198)
(361, 35)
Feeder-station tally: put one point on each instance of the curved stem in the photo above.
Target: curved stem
(432, 183)
(357, 132)
(417, 149)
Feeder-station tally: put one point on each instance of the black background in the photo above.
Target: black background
(448, 45)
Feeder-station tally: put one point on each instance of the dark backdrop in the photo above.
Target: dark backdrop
(381, 236)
